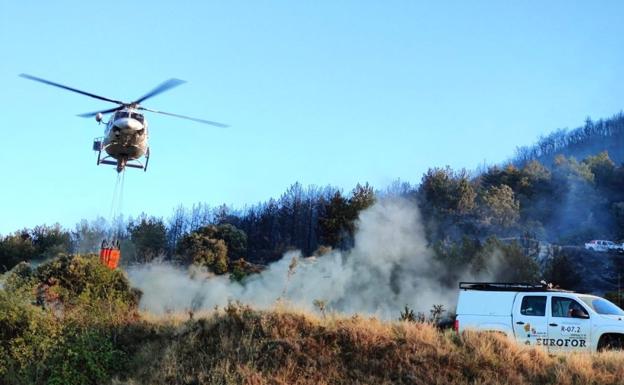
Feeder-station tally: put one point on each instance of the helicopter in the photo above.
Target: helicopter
(125, 138)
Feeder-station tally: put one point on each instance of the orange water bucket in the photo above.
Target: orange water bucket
(109, 256)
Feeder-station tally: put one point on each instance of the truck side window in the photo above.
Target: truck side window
(533, 305)
(565, 307)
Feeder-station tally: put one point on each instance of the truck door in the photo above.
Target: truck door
(569, 326)
(529, 319)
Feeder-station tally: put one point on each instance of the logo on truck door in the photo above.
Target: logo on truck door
(531, 322)
(531, 332)
(575, 343)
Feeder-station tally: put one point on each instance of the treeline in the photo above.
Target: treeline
(591, 138)
(220, 238)
(566, 203)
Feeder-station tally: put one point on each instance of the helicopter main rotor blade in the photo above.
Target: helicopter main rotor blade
(186, 117)
(70, 88)
(164, 86)
(92, 114)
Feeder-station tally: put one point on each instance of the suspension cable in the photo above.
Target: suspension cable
(117, 202)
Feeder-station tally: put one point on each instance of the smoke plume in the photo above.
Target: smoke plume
(389, 267)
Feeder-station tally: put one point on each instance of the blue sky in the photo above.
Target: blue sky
(325, 92)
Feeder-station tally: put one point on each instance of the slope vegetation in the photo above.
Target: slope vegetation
(241, 346)
(73, 321)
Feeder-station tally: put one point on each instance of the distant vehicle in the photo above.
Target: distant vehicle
(604, 246)
(126, 134)
(536, 315)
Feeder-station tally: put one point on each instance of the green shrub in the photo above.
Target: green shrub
(58, 322)
(84, 357)
(27, 336)
(75, 275)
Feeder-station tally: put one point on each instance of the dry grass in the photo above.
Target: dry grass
(237, 345)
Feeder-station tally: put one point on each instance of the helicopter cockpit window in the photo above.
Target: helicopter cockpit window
(122, 114)
(138, 117)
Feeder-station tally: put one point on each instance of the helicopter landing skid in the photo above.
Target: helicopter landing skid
(122, 163)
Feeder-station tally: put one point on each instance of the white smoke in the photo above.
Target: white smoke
(388, 268)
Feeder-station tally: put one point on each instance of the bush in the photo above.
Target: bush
(84, 357)
(83, 282)
(27, 336)
(58, 322)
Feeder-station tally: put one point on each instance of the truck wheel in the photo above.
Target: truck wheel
(611, 342)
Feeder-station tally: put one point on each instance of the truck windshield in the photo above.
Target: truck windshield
(602, 306)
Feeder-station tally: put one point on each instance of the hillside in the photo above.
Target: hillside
(365, 252)
(453, 226)
(242, 346)
(73, 321)
(581, 142)
(238, 345)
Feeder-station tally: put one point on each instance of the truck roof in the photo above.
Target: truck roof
(508, 286)
(495, 299)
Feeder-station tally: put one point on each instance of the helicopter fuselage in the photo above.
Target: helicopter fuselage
(125, 140)
(126, 135)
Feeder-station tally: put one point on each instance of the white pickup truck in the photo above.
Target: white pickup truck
(604, 246)
(557, 320)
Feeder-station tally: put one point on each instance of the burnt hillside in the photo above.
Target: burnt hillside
(581, 142)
